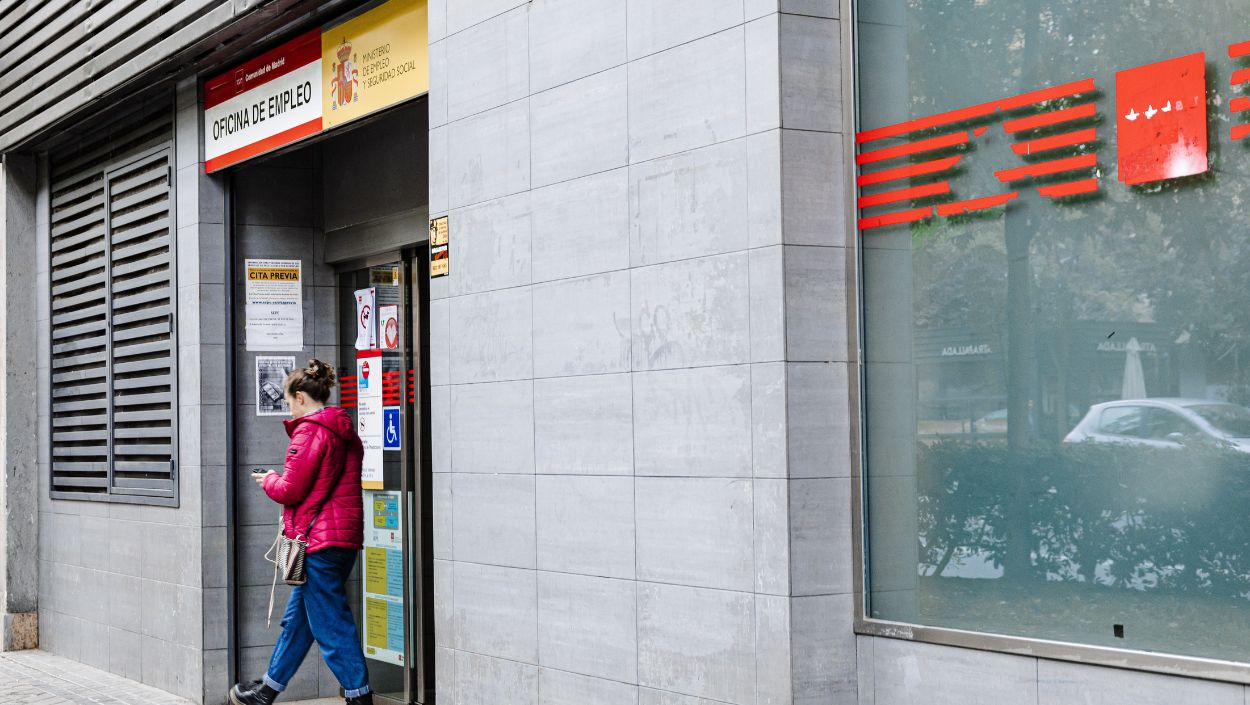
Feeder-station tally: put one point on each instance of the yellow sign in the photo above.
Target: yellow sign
(438, 232)
(376, 619)
(374, 60)
(272, 275)
(438, 248)
(375, 570)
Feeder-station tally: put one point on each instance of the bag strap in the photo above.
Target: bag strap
(338, 476)
(274, 587)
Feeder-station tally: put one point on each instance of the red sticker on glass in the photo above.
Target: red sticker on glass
(1161, 120)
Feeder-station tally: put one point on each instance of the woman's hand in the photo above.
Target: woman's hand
(260, 479)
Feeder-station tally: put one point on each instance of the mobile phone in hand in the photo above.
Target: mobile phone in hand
(259, 471)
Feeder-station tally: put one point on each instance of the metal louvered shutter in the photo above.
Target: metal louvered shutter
(114, 373)
(80, 373)
(141, 312)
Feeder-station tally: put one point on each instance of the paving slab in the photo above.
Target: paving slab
(41, 678)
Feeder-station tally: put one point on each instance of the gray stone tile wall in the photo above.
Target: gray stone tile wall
(639, 357)
(125, 587)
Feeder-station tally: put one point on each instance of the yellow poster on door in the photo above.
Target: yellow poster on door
(374, 60)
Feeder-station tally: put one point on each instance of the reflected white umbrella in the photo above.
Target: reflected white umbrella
(1134, 377)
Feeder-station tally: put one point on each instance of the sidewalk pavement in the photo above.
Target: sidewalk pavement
(40, 678)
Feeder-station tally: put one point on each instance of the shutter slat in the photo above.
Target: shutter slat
(90, 405)
(142, 466)
(140, 282)
(148, 486)
(121, 221)
(60, 480)
(72, 286)
(142, 349)
(150, 190)
(81, 466)
(142, 230)
(98, 435)
(142, 399)
(79, 421)
(134, 248)
(126, 449)
(68, 451)
(153, 260)
(69, 193)
(138, 298)
(77, 248)
(76, 346)
(161, 432)
(85, 390)
(66, 227)
(133, 176)
(147, 331)
(143, 382)
(75, 271)
(121, 368)
(134, 417)
(67, 361)
(96, 201)
(76, 301)
(62, 332)
(144, 314)
(79, 375)
(60, 318)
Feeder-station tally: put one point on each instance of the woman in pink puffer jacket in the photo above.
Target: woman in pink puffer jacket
(319, 490)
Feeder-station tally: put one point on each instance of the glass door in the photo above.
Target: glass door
(380, 362)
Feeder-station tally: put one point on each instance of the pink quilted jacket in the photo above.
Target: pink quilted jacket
(324, 445)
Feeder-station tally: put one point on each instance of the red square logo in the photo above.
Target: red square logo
(1161, 120)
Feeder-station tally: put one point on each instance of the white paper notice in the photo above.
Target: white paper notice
(388, 320)
(366, 326)
(369, 416)
(275, 306)
(271, 373)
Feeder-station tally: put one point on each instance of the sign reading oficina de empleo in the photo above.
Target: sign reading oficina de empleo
(317, 81)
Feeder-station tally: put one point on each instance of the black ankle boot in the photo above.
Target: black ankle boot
(366, 699)
(254, 693)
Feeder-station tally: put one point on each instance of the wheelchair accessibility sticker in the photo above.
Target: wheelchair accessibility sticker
(390, 428)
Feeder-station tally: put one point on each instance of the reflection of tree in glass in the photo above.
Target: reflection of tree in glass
(1173, 256)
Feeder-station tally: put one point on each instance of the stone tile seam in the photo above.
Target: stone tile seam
(471, 204)
(620, 270)
(718, 478)
(739, 25)
(1037, 679)
(529, 81)
(755, 559)
(635, 581)
(614, 67)
(539, 666)
(814, 17)
(110, 572)
(633, 381)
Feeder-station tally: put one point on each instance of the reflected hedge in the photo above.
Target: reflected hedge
(1134, 517)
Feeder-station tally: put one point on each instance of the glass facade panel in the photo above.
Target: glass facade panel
(1056, 263)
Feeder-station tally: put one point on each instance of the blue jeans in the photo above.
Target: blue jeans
(318, 611)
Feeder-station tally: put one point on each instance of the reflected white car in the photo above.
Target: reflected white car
(1164, 423)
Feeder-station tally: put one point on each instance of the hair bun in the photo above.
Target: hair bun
(321, 372)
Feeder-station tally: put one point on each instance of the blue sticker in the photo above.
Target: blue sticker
(390, 428)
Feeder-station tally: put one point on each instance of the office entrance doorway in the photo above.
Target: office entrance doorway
(380, 301)
(348, 212)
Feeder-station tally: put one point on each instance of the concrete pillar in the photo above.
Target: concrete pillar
(19, 502)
